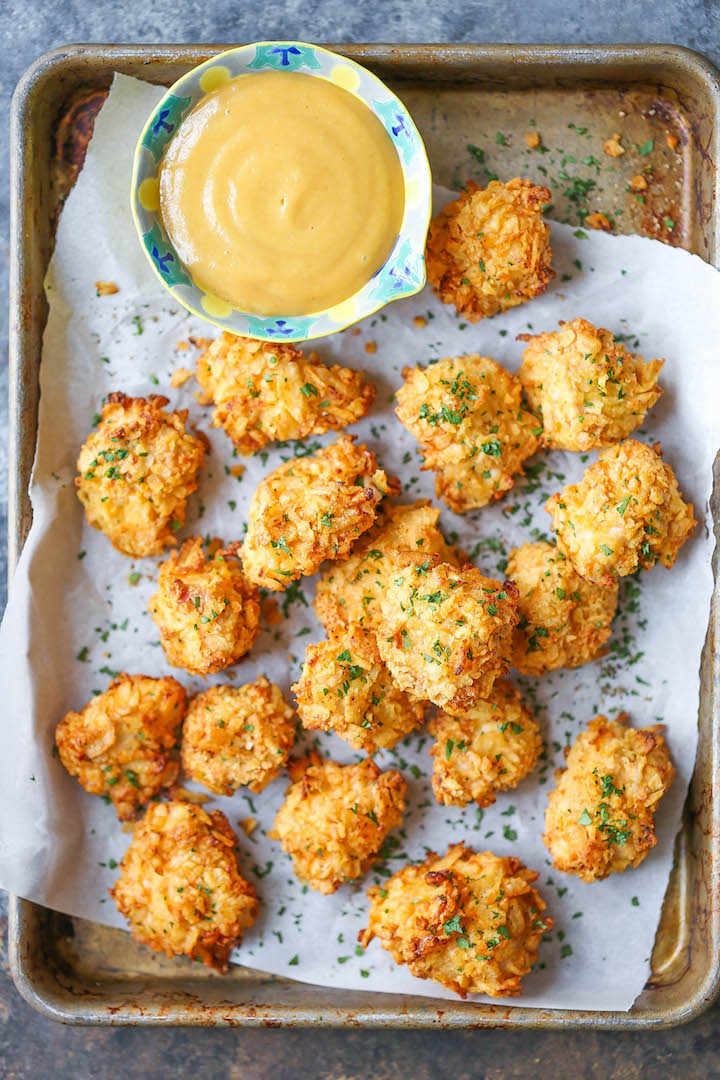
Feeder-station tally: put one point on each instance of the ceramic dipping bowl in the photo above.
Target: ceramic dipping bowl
(403, 273)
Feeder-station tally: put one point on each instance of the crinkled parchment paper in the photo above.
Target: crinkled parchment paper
(74, 618)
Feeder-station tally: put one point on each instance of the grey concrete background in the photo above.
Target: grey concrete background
(31, 1046)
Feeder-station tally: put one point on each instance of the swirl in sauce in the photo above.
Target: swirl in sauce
(282, 194)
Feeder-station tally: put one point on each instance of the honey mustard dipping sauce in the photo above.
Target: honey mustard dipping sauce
(282, 193)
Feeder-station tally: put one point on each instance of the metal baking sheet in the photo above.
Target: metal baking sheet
(78, 972)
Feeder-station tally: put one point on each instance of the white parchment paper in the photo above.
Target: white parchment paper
(74, 619)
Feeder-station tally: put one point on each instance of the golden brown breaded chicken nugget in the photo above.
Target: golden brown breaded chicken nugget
(237, 735)
(265, 392)
(123, 743)
(205, 608)
(490, 249)
(564, 620)
(627, 511)
(345, 687)
(588, 388)
(348, 592)
(335, 818)
(489, 748)
(137, 471)
(311, 509)
(445, 633)
(180, 887)
(600, 818)
(468, 920)
(467, 414)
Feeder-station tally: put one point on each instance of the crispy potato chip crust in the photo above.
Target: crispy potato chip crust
(265, 392)
(348, 592)
(335, 818)
(627, 511)
(588, 388)
(345, 687)
(237, 736)
(600, 818)
(444, 632)
(180, 887)
(205, 608)
(490, 748)
(490, 249)
(470, 921)
(467, 414)
(123, 744)
(136, 473)
(564, 620)
(311, 509)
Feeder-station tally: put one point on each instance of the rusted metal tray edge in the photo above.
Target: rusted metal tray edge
(27, 317)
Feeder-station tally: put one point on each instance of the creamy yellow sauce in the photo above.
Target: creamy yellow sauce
(282, 194)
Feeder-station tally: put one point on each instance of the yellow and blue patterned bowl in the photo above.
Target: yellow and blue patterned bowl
(403, 273)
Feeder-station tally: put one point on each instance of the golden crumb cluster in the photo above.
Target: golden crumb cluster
(588, 388)
(627, 511)
(180, 887)
(136, 472)
(467, 414)
(205, 608)
(237, 736)
(310, 509)
(489, 748)
(470, 921)
(124, 743)
(600, 818)
(335, 818)
(345, 687)
(564, 620)
(445, 633)
(490, 249)
(348, 592)
(264, 392)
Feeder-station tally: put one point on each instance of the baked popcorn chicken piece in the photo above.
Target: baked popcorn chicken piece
(348, 592)
(205, 608)
(136, 472)
(588, 388)
(626, 512)
(470, 921)
(445, 633)
(564, 620)
(489, 748)
(180, 886)
(311, 509)
(267, 392)
(490, 249)
(475, 433)
(345, 687)
(335, 818)
(123, 744)
(600, 818)
(237, 736)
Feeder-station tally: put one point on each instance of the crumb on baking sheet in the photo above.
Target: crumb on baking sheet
(612, 146)
(598, 221)
(180, 376)
(638, 183)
